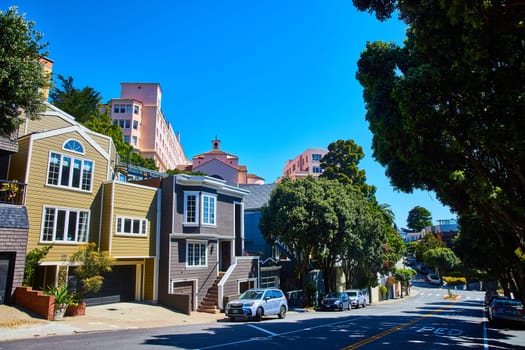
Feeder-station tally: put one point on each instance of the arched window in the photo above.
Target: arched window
(74, 145)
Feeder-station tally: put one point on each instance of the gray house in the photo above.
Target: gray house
(201, 262)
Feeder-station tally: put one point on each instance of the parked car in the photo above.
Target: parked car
(256, 303)
(504, 309)
(357, 298)
(335, 301)
(489, 295)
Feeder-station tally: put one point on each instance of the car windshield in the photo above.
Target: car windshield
(511, 303)
(351, 294)
(251, 294)
(332, 295)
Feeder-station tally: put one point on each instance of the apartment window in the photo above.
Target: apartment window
(131, 226)
(317, 170)
(135, 109)
(135, 124)
(70, 172)
(115, 122)
(127, 123)
(196, 254)
(73, 145)
(65, 225)
(208, 209)
(126, 138)
(191, 203)
(121, 123)
(316, 157)
(134, 140)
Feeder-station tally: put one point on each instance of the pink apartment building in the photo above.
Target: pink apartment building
(307, 163)
(139, 114)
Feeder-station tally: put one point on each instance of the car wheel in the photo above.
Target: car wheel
(282, 312)
(341, 307)
(364, 303)
(349, 306)
(232, 319)
(258, 314)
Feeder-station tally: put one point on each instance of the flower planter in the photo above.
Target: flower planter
(59, 312)
(76, 309)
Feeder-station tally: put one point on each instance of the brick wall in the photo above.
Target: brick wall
(35, 301)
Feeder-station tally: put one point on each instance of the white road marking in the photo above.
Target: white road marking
(263, 330)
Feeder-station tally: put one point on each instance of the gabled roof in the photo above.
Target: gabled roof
(258, 196)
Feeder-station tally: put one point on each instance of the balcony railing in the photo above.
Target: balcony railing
(12, 192)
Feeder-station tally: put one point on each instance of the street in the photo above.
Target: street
(428, 319)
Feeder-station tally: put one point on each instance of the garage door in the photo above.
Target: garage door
(6, 276)
(119, 286)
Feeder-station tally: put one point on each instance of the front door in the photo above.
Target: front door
(225, 255)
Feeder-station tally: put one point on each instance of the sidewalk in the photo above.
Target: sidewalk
(18, 323)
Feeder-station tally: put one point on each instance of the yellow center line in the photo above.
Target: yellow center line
(392, 330)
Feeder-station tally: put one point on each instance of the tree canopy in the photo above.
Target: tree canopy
(419, 218)
(22, 75)
(342, 163)
(323, 222)
(446, 109)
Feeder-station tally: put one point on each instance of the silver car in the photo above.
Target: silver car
(357, 298)
(256, 303)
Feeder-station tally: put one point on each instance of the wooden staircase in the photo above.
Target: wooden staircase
(210, 303)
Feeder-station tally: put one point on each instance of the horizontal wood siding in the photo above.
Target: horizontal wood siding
(246, 268)
(39, 194)
(205, 275)
(136, 202)
(44, 123)
(18, 166)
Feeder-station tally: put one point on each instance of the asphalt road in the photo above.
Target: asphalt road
(428, 319)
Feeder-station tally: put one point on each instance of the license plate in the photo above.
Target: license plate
(236, 311)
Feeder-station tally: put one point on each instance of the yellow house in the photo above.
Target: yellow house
(72, 198)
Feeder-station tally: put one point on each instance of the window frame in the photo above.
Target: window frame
(73, 145)
(196, 210)
(193, 243)
(120, 225)
(81, 228)
(208, 218)
(78, 174)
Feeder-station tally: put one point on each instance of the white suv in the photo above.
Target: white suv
(357, 298)
(257, 302)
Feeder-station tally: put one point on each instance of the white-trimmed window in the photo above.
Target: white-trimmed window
(316, 157)
(191, 205)
(73, 145)
(317, 170)
(67, 171)
(65, 225)
(208, 209)
(196, 253)
(131, 226)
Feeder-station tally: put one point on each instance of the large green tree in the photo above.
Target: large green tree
(418, 218)
(446, 109)
(83, 104)
(22, 75)
(441, 259)
(341, 163)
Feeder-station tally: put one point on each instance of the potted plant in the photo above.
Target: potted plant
(61, 302)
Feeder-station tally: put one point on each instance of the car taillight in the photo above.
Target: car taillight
(495, 308)
(521, 311)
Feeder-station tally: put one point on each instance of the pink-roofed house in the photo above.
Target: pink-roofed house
(225, 166)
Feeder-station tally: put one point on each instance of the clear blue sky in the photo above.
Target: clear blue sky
(268, 78)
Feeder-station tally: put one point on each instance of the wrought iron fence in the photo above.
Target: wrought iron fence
(12, 192)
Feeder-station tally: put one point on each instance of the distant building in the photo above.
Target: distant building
(305, 164)
(447, 229)
(225, 166)
(138, 112)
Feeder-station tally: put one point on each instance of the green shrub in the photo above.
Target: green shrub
(454, 281)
